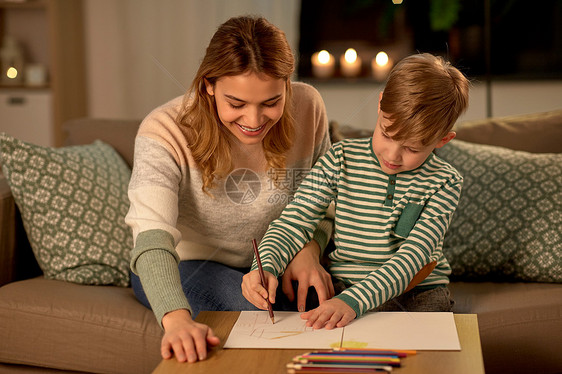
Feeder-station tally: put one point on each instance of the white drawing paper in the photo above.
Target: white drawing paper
(255, 330)
(382, 330)
(403, 330)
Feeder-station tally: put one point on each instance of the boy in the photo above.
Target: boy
(394, 201)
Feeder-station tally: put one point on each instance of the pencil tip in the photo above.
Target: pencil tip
(273, 320)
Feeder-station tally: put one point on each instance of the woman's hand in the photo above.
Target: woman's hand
(305, 268)
(186, 338)
(253, 290)
(330, 314)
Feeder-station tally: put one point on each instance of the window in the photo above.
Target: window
(525, 38)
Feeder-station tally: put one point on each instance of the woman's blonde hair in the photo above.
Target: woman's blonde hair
(240, 45)
(423, 97)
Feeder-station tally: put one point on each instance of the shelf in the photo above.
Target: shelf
(5, 87)
(51, 33)
(342, 81)
(29, 4)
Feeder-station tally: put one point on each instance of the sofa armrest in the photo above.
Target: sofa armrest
(16, 257)
(7, 232)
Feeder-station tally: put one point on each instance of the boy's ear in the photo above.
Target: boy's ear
(380, 98)
(209, 87)
(446, 139)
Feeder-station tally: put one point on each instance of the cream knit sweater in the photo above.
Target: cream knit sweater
(172, 219)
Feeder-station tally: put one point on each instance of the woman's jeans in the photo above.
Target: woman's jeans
(213, 286)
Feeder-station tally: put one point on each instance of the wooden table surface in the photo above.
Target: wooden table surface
(273, 361)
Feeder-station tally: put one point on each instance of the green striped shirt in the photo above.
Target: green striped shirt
(387, 227)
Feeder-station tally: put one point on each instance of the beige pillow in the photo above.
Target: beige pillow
(536, 132)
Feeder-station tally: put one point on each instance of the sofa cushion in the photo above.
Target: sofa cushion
(73, 201)
(534, 132)
(118, 133)
(520, 323)
(97, 329)
(507, 224)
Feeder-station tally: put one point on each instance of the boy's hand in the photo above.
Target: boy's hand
(306, 269)
(330, 314)
(253, 290)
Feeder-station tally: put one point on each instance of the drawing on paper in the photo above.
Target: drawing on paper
(255, 330)
(384, 330)
(349, 344)
(260, 326)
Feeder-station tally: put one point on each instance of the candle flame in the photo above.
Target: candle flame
(350, 55)
(324, 57)
(12, 72)
(381, 59)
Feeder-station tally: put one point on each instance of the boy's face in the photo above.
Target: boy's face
(400, 156)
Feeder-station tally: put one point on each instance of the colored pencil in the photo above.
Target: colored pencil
(262, 277)
(337, 361)
(393, 361)
(343, 356)
(359, 353)
(399, 352)
(339, 366)
(336, 371)
(322, 371)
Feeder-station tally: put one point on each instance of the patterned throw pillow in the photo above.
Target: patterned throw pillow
(73, 202)
(508, 221)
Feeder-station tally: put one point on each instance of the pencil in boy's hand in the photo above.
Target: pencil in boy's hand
(262, 277)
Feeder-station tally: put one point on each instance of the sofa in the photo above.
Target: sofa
(50, 321)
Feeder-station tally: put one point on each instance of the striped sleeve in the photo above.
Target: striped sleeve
(422, 246)
(299, 220)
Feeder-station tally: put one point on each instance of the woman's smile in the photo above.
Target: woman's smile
(251, 131)
(249, 105)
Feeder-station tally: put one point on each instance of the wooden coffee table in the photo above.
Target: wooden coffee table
(273, 361)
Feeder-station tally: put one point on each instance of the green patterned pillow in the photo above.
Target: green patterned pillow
(507, 224)
(73, 202)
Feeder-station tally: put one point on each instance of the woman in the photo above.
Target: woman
(211, 171)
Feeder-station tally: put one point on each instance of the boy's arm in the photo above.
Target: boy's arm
(421, 247)
(296, 225)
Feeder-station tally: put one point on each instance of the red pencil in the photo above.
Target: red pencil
(262, 277)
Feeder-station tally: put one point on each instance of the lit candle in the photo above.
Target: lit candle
(323, 64)
(12, 72)
(350, 63)
(381, 66)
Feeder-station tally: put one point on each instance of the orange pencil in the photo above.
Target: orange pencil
(400, 352)
(262, 277)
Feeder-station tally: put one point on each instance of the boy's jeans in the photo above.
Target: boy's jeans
(436, 299)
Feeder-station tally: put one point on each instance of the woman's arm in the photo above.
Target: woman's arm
(153, 194)
(305, 267)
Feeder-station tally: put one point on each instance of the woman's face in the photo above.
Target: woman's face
(249, 105)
